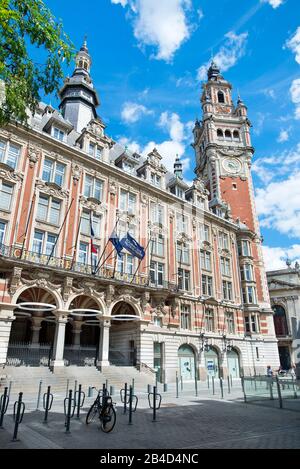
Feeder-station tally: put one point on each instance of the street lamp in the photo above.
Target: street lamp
(205, 346)
(227, 344)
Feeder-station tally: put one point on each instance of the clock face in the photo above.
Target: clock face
(232, 165)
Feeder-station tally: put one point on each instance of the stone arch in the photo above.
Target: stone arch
(191, 343)
(130, 301)
(99, 302)
(235, 369)
(56, 296)
(187, 361)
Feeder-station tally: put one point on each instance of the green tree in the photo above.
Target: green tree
(25, 25)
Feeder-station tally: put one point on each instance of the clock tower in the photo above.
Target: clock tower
(224, 153)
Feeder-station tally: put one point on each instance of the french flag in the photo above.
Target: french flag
(93, 247)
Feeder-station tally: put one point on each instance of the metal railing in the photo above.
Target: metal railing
(25, 353)
(84, 355)
(64, 263)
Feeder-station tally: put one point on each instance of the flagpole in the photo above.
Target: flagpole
(27, 224)
(54, 245)
(139, 263)
(76, 241)
(149, 265)
(91, 244)
(106, 244)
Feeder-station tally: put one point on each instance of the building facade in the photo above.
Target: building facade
(284, 288)
(196, 304)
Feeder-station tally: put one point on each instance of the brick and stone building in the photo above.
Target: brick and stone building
(199, 296)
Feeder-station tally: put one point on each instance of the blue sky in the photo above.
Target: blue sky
(149, 58)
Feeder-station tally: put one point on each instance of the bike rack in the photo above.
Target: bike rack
(47, 402)
(156, 397)
(68, 410)
(4, 400)
(79, 397)
(18, 415)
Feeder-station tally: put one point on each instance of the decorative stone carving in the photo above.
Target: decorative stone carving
(33, 155)
(7, 173)
(76, 172)
(15, 280)
(67, 288)
(110, 294)
(52, 189)
(112, 186)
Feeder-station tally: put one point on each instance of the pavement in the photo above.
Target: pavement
(187, 422)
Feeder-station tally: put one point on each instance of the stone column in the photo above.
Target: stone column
(76, 330)
(36, 327)
(102, 359)
(59, 339)
(6, 319)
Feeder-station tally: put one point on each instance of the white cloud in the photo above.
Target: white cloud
(273, 3)
(121, 2)
(279, 165)
(294, 44)
(278, 205)
(283, 136)
(295, 95)
(275, 257)
(233, 49)
(132, 112)
(171, 122)
(163, 24)
(168, 150)
(132, 145)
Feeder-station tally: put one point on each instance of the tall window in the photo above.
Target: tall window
(93, 187)
(125, 264)
(155, 179)
(9, 153)
(53, 172)
(229, 318)
(280, 321)
(252, 323)
(43, 243)
(249, 295)
(181, 223)
(185, 317)
(227, 290)
(225, 266)
(48, 209)
(157, 213)
(204, 233)
(6, 191)
(223, 240)
(207, 286)
(83, 253)
(127, 201)
(183, 279)
(205, 259)
(183, 255)
(247, 272)
(58, 134)
(85, 226)
(244, 248)
(2, 232)
(157, 248)
(209, 320)
(221, 98)
(157, 273)
(95, 151)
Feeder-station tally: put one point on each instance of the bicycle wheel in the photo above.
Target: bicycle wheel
(108, 419)
(92, 413)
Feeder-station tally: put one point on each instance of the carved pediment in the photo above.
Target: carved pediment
(275, 284)
(50, 188)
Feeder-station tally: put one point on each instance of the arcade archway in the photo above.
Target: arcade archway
(124, 335)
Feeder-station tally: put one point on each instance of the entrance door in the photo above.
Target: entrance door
(186, 363)
(285, 358)
(233, 364)
(212, 363)
(157, 362)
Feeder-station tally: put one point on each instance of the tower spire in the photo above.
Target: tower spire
(178, 168)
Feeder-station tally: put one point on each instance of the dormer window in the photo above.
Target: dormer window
(53, 172)
(128, 168)
(221, 98)
(58, 134)
(155, 179)
(95, 151)
(179, 192)
(9, 153)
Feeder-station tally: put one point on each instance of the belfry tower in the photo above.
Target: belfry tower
(224, 153)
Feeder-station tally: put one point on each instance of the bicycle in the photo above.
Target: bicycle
(105, 411)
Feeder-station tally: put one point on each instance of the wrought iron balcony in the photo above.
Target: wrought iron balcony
(15, 253)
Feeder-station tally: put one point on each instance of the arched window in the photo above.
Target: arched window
(236, 135)
(221, 98)
(227, 135)
(80, 64)
(280, 322)
(85, 65)
(220, 133)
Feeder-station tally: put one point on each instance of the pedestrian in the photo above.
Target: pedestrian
(293, 371)
(269, 371)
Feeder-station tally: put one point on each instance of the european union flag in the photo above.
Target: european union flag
(129, 243)
(114, 239)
